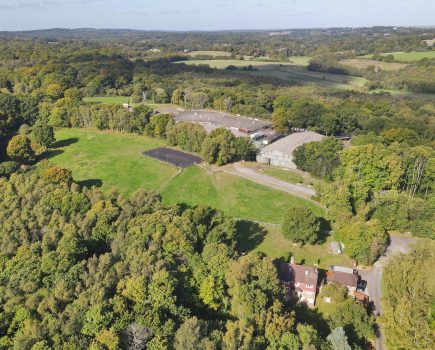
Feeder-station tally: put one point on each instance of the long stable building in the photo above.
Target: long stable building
(281, 152)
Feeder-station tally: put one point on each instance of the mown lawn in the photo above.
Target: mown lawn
(115, 160)
(111, 159)
(119, 100)
(236, 196)
(272, 242)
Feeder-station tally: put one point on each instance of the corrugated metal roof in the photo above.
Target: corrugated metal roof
(289, 143)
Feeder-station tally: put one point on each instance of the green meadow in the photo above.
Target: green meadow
(110, 159)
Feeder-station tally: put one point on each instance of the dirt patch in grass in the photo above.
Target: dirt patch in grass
(362, 63)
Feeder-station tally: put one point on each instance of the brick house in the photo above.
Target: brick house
(300, 280)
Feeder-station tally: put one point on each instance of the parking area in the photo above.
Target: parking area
(174, 157)
(239, 125)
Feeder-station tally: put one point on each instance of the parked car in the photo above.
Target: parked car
(361, 286)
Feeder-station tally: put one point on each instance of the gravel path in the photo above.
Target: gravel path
(251, 174)
(373, 277)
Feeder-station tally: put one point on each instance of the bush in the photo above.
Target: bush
(7, 168)
(300, 224)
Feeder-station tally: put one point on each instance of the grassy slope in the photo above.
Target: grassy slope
(112, 158)
(295, 72)
(409, 56)
(275, 245)
(115, 160)
(236, 196)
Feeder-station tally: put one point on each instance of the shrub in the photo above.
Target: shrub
(7, 168)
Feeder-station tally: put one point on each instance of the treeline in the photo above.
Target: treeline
(408, 319)
(279, 45)
(417, 76)
(80, 269)
(379, 184)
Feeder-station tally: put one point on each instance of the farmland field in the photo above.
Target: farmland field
(409, 56)
(115, 160)
(362, 63)
(292, 72)
(210, 53)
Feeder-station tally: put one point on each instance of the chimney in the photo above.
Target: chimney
(292, 259)
(306, 272)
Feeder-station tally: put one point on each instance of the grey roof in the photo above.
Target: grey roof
(289, 143)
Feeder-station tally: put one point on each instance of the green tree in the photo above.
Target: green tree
(20, 149)
(218, 147)
(300, 224)
(43, 134)
(363, 241)
(190, 335)
(338, 339)
(408, 296)
(319, 158)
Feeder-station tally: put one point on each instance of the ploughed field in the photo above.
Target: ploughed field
(110, 159)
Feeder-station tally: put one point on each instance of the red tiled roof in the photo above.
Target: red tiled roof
(343, 278)
(298, 274)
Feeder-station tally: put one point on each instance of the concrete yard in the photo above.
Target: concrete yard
(214, 119)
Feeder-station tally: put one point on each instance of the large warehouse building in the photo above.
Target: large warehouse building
(281, 152)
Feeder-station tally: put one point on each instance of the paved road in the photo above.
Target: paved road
(398, 244)
(252, 174)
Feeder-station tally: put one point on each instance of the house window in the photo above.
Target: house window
(309, 286)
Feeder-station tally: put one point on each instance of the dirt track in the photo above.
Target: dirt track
(251, 174)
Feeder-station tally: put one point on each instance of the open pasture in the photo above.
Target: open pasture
(409, 56)
(362, 63)
(210, 53)
(289, 72)
(110, 159)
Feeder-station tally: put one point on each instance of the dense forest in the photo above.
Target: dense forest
(86, 269)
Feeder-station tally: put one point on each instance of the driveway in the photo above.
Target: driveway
(398, 244)
(253, 175)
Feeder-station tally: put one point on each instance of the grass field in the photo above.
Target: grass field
(293, 72)
(119, 100)
(210, 53)
(112, 159)
(362, 63)
(282, 174)
(409, 56)
(272, 242)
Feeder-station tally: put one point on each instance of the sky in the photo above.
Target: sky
(212, 14)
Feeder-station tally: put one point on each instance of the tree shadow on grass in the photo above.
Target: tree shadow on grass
(248, 235)
(65, 142)
(90, 182)
(51, 153)
(325, 229)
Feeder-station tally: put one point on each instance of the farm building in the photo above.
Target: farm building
(281, 152)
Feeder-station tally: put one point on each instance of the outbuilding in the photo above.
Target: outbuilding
(280, 153)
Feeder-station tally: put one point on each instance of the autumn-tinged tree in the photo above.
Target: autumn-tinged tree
(20, 149)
